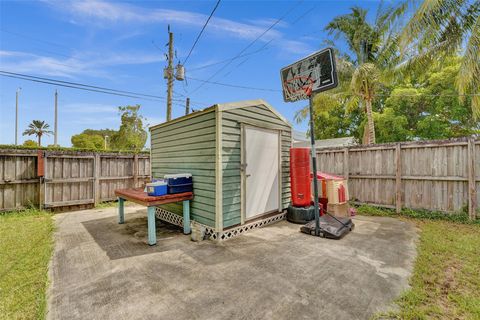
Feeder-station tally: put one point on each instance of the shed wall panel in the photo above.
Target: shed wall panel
(188, 146)
(231, 151)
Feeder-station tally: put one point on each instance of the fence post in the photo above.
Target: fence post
(96, 175)
(346, 171)
(472, 192)
(135, 170)
(398, 178)
(41, 155)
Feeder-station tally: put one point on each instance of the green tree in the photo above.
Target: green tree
(38, 128)
(30, 143)
(374, 48)
(102, 132)
(88, 141)
(390, 126)
(430, 103)
(94, 139)
(442, 27)
(132, 134)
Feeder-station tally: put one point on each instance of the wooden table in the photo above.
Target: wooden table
(138, 196)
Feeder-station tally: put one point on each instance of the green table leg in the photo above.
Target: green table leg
(121, 211)
(152, 232)
(186, 217)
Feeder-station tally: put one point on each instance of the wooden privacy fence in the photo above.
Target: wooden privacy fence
(56, 179)
(433, 175)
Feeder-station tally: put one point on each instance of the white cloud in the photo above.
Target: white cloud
(91, 115)
(104, 13)
(80, 64)
(151, 121)
(95, 122)
(89, 108)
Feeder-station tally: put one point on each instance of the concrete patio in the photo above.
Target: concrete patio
(102, 270)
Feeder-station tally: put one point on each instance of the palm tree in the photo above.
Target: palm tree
(364, 83)
(442, 27)
(38, 128)
(374, 48)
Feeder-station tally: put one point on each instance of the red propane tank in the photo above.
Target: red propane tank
(301, 189)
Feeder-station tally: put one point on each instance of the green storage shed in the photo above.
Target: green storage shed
(238, 154)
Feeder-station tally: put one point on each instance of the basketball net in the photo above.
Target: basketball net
(298, 88)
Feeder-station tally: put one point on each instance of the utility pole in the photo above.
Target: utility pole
(187, 106)
(170, 76)
(55, 137)
(105, 142)
(16, 115)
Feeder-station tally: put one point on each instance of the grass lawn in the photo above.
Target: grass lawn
(446, 279)
(25, 249)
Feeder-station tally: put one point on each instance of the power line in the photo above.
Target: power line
(249, 45)
(235, 86)
(201, 31)
(33, 38)
(82, 85)
(90, 88)
(263, 48)
(75, 87)
(77, 84)
(226, 60)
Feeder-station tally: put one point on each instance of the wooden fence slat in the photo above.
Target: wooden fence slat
(472, 192)
(433, 175)
(398, 178)
(72, 178)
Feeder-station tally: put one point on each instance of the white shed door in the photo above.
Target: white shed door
(261, 172)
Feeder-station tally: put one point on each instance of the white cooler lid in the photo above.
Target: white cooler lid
(157, 183)
(177, 175)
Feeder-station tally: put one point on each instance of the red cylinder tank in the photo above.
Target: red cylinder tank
(301, 189)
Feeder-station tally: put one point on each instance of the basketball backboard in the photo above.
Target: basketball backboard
(313, 74)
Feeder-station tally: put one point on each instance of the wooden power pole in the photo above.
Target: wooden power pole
(170, 76)
(55, 137)
(187, 106)
(16, 116)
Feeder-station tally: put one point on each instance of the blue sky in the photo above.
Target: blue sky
(109, 44)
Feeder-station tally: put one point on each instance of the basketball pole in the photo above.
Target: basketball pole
(314, 166)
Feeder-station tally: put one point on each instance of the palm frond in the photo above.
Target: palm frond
(365, 80)
(429, 22)
(468, 79)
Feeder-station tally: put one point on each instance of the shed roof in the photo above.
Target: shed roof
(328, 143)
(225, 107)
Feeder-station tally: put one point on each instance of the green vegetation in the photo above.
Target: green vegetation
(445, 279)
(30, 144)
(445, 282)
(38, 128)
(440, 28)
(53, 148)
(25, 249)
(403, 80)
(457, 217)
(131, 135)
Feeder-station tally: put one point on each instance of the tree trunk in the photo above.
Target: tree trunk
(370, 125)
(39, 140)
(365, 134)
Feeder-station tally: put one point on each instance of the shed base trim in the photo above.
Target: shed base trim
(169, 217)
(210, 232)
(236, 231)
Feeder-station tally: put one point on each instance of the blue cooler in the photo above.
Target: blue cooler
(179, 183)
(157, 188)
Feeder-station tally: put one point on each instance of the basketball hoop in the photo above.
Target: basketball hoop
(300, 80)
(298, 88)
(313, 74)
